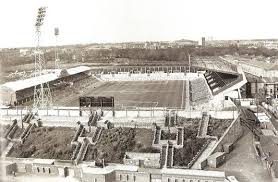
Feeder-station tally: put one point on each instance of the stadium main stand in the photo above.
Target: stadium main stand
(218, 81)
(22, 91)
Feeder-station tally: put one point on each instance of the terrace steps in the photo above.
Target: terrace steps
(203, 128)
(97, 135)
(76, 151)
(7, 149)
(82, 151)
(157, 135)
(10, 129)
(27, 118)
(26, 132)
(180, 134)
(163, 156)
(12, 132)
(170, 156)
(170, 118)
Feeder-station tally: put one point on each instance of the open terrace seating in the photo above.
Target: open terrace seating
(199, 90)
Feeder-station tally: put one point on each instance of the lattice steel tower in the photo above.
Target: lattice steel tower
(42, 93)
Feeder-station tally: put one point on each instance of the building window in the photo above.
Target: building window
(127, 177)
(95, 180)
(43, 170)
(271, 91)
(49, 171)
(120, 177)
(169, 180)
(176, 180)
(134, 178)
(38, 169)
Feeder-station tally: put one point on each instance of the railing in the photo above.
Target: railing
(10, 128)
(76, 150)
(26, 132)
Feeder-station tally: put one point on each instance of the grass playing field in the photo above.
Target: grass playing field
(141, 93)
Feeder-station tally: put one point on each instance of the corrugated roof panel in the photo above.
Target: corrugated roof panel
(79, 69)
(30, 82)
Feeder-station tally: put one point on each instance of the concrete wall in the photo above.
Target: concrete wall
(151, 160)
(214, 114)
(87, 177)
(223, 114)
(18, 111)
(8, 169)
(45, 169)
(174, 177)
(132, 176)
(231, 135)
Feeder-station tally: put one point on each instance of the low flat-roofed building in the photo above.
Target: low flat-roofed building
(216, 159)
(268, 132)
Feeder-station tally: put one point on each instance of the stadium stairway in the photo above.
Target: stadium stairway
(97, 135)
(170, 155)
(7, 149)
(203, 127)
(180, 135)
(157, 135)
(76, 151)
(12, 132)
(82, 151)
(11, 128)
(163, 156)
(26, 132)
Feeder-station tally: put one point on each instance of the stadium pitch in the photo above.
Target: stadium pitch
(170, 94)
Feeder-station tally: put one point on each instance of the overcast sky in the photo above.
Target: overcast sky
(88, 21)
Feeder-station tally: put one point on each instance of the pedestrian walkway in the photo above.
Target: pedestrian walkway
(242, 162)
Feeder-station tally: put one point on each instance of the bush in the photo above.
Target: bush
(39, 121)
(166, 135)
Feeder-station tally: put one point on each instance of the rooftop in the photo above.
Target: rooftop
(30, 82)
(254, 62)
(191, 172)
(109, 169)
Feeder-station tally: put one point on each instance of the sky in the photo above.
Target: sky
(100, 21)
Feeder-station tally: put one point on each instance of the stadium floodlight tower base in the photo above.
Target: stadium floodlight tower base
(42, 93)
